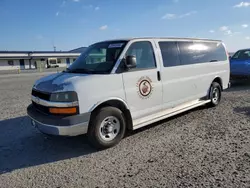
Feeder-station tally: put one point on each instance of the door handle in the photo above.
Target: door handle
(158, 75)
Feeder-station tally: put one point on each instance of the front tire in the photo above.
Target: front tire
(107, 127)
(215, 94)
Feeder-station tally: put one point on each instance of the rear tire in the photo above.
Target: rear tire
(215, 94)
(107, 127)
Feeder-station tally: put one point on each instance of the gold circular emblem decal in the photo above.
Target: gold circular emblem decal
(144, 86)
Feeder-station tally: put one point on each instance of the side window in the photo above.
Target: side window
(187, 53)
(210, 52)
(143, 51)
(170, 54)
(201, 52)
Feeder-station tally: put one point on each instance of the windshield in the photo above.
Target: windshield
(99, 58)
(242, 55)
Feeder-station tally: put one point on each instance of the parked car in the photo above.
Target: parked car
(240, 64)
(138, 82)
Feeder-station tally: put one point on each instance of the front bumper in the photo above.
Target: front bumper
(56, 125)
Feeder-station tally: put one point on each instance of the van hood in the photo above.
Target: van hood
(59, 82)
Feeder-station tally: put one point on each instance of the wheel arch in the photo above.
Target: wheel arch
(219, 81)
(216, 79)
(117, 103)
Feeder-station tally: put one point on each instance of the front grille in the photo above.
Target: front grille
(41, 108)
(41, 95)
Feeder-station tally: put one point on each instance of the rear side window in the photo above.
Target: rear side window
(170, 54)
(187, 53)
(201, 52)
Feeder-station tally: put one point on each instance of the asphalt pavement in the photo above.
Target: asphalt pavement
(200, 148)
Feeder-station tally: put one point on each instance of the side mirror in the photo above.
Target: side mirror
(230, 57)
(130, 62)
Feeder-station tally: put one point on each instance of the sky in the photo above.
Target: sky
(69, 24)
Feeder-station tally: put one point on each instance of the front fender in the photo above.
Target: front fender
(106, 100)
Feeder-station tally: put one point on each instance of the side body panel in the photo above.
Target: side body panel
(185, 83)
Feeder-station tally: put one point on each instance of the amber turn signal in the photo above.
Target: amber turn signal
(71, 110)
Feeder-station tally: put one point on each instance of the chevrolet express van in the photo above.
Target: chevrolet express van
(126, 84)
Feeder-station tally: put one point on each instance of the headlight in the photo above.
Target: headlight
(69, 96)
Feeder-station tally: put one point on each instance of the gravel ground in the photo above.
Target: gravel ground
(200, 148)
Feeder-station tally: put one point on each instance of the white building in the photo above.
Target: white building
(10, 60)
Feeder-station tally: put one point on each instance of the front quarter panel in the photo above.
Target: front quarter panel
(96, 89)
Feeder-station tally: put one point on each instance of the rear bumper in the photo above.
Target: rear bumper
(55, 125)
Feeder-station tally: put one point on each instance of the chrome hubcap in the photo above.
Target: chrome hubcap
(216, 95)
(110, 128)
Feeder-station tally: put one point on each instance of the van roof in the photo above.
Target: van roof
(172, 38)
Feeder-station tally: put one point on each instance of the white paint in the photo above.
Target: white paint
(179, 89)
(167, 113)
(79, 83)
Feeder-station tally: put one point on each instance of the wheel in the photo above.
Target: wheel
(107, 127)
(215, 94)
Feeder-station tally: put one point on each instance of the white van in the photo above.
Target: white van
(121, 85)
